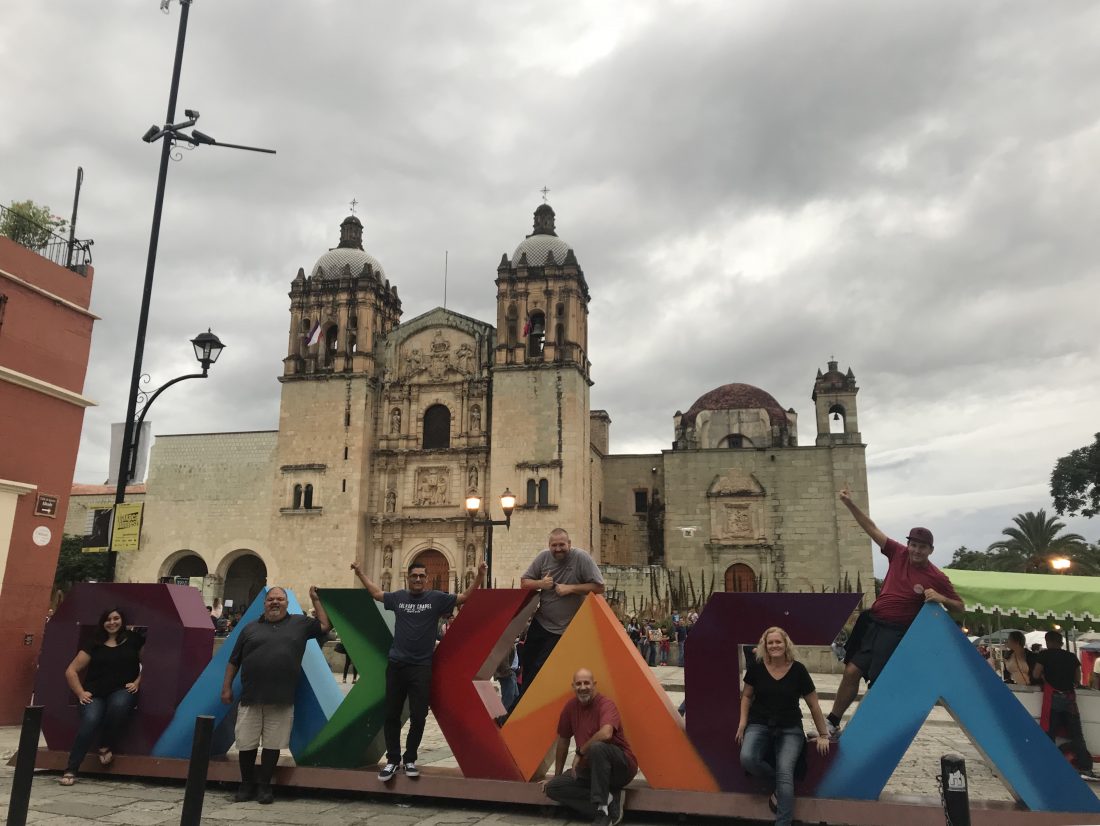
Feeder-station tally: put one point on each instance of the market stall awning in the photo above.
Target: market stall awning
(1029, 595)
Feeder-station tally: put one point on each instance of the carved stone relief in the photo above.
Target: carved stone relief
(387, 557)
(433, 485)
(475, 418)
(472, 478)
(391, 501)
(471, 556)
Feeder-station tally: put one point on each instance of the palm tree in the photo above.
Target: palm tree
(1034, 541)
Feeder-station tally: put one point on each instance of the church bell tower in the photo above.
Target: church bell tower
(540, 398)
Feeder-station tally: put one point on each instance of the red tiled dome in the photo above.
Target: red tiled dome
(736, 397)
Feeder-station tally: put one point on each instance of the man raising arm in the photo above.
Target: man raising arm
(911, 582)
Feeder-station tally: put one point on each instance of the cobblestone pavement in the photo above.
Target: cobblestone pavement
(136, 803)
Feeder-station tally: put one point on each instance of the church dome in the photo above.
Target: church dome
(349, 253)
(736, 397)
(536, 248)
(542, 241)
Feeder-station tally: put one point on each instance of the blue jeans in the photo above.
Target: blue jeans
(509, 691)
(760, 743)
(106, 713)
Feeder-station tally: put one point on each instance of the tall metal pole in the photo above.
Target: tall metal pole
(20, 799)
(150, 267)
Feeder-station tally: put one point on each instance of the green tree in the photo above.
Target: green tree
(29, 224)
(73, 565)
(968, 559)
(1033, 542)
(1075, 481)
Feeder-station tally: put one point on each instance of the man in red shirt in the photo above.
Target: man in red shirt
(603, 762)
(911, 581)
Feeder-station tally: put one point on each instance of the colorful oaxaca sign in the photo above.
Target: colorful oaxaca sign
(337, 731)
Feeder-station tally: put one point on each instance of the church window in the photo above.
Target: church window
(837, 416)
(307, 498)
(437, 427)
(641, 501)
(561, 310)
(353, 321)
(734, 440)
(532, 493)
(345, 453)
(512, 324)
(332, 343)
(297, 501)
(536, 335)
(352, 343)
(343, 485)
(544, 492)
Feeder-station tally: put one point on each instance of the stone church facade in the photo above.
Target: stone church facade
(386, 425)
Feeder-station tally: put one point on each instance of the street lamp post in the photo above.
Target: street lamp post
(169, 134)
(207, 349)
(473, 505)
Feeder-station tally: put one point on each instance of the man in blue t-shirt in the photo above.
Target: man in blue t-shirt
(409, 672)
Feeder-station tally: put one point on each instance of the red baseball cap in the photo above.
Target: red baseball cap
(922, 535)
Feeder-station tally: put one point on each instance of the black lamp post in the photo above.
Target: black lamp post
(473, 505)
(207, 349)
(169, 134)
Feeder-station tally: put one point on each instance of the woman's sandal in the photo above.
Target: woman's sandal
(773, 804)
(67, 779)
(106, 757)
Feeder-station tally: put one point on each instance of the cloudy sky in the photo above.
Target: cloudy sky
(750, 188)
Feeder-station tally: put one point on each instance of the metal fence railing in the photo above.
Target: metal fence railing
(74, 254)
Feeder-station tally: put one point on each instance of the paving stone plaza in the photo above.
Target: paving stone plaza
(146, 803)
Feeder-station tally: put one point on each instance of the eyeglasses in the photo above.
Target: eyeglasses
(418, 576)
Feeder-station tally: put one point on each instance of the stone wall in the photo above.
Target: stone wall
(208, 494)
(774, 510)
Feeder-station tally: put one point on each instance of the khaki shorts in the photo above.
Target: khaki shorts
(271, 724)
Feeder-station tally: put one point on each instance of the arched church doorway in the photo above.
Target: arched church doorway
(740, 578)
(439, 572)
(244, 579)
(188, 566)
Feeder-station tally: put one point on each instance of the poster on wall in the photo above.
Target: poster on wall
(126, 535)
(98, 533)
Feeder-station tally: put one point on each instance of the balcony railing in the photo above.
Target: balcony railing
(75, 255)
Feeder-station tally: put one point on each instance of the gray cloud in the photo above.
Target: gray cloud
(750, 189)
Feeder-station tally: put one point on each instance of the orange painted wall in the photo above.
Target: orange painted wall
(39, 437)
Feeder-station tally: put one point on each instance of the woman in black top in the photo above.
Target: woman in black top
(771, 721)
(112, 675)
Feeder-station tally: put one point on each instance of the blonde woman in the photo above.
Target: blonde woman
(771, 721)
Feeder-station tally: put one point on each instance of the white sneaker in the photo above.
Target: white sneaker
(387, 773)
(411, 770)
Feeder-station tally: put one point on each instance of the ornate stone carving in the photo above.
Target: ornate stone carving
(463, 357)
(440, 358)
(387, 581)
(391, 501)
(737, 509)
(471, 478)
(475, 418)
(387, 557)
(395, 421)
(471, 556)
(433, 485)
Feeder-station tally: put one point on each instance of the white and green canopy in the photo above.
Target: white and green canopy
(1029, 595)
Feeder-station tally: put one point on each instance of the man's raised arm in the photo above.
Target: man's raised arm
(862, 519)
(374, 590)
(465, 595)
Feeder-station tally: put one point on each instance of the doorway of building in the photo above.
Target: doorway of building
(740, 578)
(244, 579)
(439, 572)
(188, 566)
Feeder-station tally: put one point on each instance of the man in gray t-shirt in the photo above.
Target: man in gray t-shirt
(563, 576)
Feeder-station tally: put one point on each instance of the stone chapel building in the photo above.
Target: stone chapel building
(385, 426)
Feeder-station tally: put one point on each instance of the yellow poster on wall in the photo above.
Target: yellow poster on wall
(127, 532)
